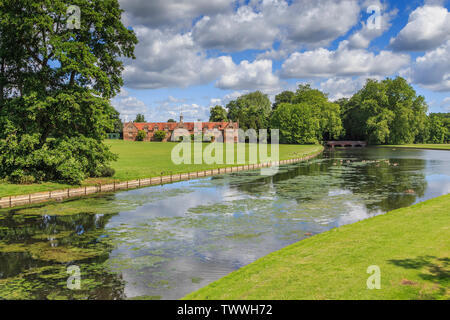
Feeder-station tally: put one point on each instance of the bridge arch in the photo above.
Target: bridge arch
(345, 144)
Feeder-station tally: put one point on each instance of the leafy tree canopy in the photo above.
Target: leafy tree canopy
(160, 135)
(218, 114)
(298, 123)
(328, 113)
(387, 111)
(252, 110)
(118, 124)
(141, 135)
(438, 128)
(284, 97)
(55, 87)
(140, 118)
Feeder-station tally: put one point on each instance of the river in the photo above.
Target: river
(164, 242)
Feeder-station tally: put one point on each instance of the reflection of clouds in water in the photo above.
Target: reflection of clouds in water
(200, 263)
(356, 212)
(240, 253)
(441, 156)
(208, 265)
(174, 204)
(230, 194)
(339, 192)
(437, 185)
(132, 287)
(199, 260)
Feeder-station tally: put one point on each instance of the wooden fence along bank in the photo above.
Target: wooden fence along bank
(59, 195)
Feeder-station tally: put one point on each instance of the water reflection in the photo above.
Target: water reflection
(393, 182)
(36, 250)
(164, 242)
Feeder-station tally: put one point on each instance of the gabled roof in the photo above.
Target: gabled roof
(160, 125)
(186, 125)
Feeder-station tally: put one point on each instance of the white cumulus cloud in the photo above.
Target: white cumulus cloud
(170, 13)
(242, 30)
(428, 27)
(129, 106)
(342, 62)
(166, 59)
(432, 70)
(342, 87)
(247, 75)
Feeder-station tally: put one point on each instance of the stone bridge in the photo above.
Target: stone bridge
(352, 144)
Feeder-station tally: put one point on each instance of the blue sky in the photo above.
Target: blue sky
(195, 54)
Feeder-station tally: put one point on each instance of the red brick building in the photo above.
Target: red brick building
(131, 129)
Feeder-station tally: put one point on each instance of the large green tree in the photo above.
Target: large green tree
(55, 87)
(218, 114)
(118, 124)
(140, 118)
(252, 110)
(298, 123)
(438, 128)
(328, 113)
(284, 97)
(387, 111)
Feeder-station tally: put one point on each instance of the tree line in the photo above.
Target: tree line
(382, 112)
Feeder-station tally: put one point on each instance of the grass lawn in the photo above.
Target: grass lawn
(410, 245)
(138, 160)
(421, 146)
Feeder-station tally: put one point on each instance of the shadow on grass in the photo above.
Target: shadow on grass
(433, 269)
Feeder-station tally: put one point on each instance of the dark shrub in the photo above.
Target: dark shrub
(107, 172)
(68, 160)
(20, 177)
(141, 135)
(159, 135)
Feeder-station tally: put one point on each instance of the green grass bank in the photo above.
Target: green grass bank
(410, 245)
(140, 160)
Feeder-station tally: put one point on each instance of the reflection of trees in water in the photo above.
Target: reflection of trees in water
(384, 186)
(260, 184)
(13, 263)
(22, 229)
(387, 186)
(36, 250)
(392, 186)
